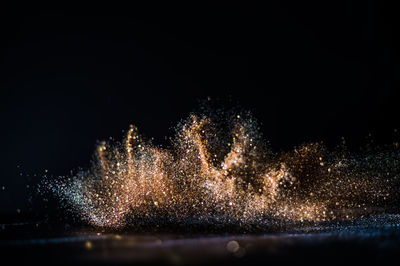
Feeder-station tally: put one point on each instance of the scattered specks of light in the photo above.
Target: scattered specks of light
(220, 166)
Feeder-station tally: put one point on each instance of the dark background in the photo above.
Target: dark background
(308, 72)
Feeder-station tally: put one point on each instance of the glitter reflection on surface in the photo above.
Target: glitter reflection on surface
(219, 167)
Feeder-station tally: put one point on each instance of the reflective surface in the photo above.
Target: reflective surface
(367, 240)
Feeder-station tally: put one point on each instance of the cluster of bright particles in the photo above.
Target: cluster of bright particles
(222, 167)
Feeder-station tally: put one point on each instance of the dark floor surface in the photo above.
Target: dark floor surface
(373, 240)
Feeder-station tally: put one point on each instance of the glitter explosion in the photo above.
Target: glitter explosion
(219, 167)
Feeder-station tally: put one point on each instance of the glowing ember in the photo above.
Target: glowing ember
(220, 167)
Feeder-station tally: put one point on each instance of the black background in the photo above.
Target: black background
(308, 72)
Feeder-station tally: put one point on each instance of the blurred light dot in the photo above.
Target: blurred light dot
(88, 245)
(233, 246)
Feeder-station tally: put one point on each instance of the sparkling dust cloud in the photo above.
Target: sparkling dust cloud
(219, 167)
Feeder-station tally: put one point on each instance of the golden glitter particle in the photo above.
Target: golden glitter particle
(232, 246)
(222, 167)
(88, 245)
